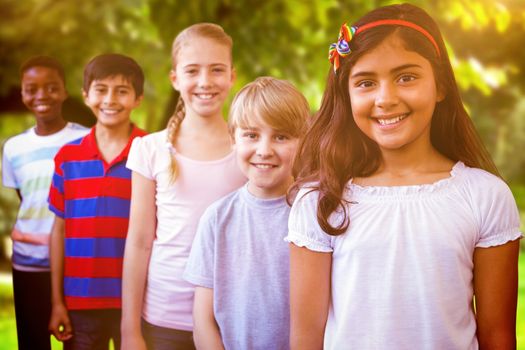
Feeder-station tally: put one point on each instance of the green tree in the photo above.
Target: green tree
(283, 38)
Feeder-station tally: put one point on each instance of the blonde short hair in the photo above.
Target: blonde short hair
(272, 101)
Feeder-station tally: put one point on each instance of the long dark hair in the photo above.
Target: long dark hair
(335, 150)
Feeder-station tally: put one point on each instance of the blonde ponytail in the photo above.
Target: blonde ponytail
(172, 130)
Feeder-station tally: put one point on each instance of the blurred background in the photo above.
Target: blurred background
(287, 39)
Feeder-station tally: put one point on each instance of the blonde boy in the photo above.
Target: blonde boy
(239, 261)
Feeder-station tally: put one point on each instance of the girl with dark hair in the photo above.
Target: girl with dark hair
(403, 235)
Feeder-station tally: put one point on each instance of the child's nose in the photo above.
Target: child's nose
(204, 79)
(109, 97)
(264, 149)
(41, 93)
(386, 96)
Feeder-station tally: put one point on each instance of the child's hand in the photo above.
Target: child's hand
(59, 323)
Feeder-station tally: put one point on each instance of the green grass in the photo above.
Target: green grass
(8, 328)
(7, 319)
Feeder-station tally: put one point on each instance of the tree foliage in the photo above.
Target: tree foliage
(283, 38)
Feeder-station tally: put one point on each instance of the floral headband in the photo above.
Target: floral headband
(342, 48)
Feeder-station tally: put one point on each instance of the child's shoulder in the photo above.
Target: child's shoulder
(477, 178)
(152, 140)
(148, 147)
(224, 206)
(77, 141)
(138, 132)
(308, 193)
(74, 132)
(70, 132)
(77, 127)
(18, 140)
(227, 201)
(482, 186)
(73, 147)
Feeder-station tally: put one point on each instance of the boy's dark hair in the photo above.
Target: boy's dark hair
(43, 61)
(112, 64)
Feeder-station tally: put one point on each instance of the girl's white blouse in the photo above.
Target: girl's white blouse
(402, 273)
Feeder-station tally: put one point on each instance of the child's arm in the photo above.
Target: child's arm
(206, 332)
(59, 323)
(139, 241)
(310, 275)
(8, 174)
(495, 290)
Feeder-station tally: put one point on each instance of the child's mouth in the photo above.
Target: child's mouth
(263, 166)
(390, 121)
(205, 96)
(110, 111)
(42, 108)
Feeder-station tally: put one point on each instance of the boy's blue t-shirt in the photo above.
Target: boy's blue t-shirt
(240, 253)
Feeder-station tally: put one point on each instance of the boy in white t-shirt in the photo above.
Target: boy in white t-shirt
(239, 260)
(27, 166)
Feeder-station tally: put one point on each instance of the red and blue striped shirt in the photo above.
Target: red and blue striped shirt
(93, 197)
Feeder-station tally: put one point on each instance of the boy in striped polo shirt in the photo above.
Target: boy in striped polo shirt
(90, 196)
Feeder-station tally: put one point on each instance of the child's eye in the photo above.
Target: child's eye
(281, 137)
(405, 78)
(191, 71)
(122, 91)
(52, 88)
(249, 135)
(100, 90)
(218, 70)
(364, 84)
(30, 90)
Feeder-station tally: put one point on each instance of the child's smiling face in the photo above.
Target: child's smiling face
(204, 76)
(393, 99)
(112, 99)
(43, 92)
(265, 156)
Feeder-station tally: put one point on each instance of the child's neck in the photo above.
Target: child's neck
(203, 138)
(198, 125)
(112, 140)
(405, 168)
(44, 128)
(266, 193)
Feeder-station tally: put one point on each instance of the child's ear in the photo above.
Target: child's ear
(232, 135)
(441, 93)
(173, 79)
(84, 96)
(138, 100)
(233, 75)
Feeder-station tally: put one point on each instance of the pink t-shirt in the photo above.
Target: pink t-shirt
(169, 299)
